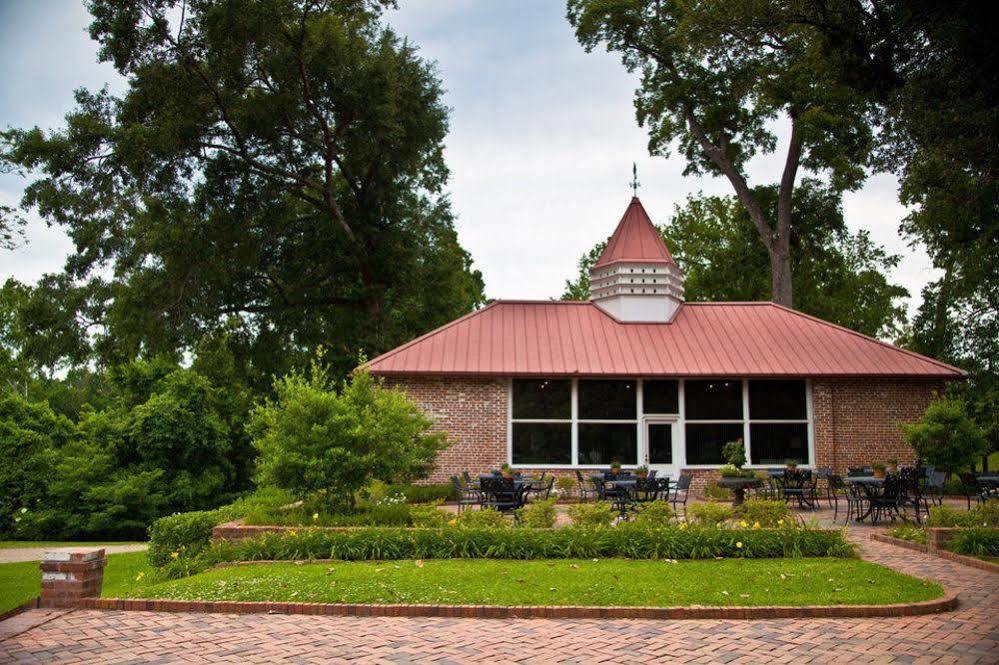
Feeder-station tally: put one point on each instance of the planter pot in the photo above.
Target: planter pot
(738, 487)
(879, 473)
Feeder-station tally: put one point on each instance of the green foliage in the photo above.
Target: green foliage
(538, 514)
(734, 453)
(428, 515)
(599, 514)
(30, 437)
(275, 166)
(655, 514)
(485, 518)
(709, 514)
(424, 493)
(326, 444)
(984, 514)
(976, 541)
(631, 541)
(765, 513)
(913, 534)
(186, 534)
(714, 491)
(729, 471)
(946, 437)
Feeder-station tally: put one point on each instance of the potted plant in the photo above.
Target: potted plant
(735, 454)
(791, 463)
(892, 466)
(879, 470)
(642, 471)
(507, 471)
(615, 467)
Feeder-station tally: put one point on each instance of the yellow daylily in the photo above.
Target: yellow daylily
(739, 544)
(756, 525)
(174, 555)
(743, 524)
(315, 516)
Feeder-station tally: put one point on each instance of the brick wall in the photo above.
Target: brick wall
(473, 412)
(857, 420)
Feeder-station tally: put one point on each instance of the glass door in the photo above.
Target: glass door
(660, 447)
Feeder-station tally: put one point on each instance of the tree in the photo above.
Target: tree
(274, 165)
(324, 445)
(839, 276)
(711, 84)
(945, 436)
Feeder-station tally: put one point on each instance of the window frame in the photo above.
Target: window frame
(680, 462)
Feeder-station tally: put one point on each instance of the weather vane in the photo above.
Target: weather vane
(634, 179)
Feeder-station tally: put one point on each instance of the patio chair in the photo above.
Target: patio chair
(680, 492)
(467, 477)
(646, 490)
(971, 487)
(542, 490)
(586, 491)
(911, 490)
(836, 486)
(466, 494)
(934, 489)
(504, 494)
(886, 499)
(799, 484)
(856, 498)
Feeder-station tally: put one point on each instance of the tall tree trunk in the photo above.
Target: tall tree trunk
(780, 272)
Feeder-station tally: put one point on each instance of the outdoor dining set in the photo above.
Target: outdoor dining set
(624, 490)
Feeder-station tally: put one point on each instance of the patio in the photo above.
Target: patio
(968, 635)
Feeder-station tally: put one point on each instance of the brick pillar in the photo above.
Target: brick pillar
(71, 573)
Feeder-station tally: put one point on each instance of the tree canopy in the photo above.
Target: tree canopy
(274, 167)
(712, 86)
(839, 276)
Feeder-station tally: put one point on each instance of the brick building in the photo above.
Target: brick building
(640, 376)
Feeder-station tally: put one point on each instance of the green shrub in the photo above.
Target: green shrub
(424, 493)
(181, 534)
(713, 491)
(655, 514)
(984, 514)
(428, 515)
(766, 513)
(598, 514)
(319, 441)
(709, 514)
(977, 541)
(632, 541)
(946, 436)
(913, 534)
(538, 514)
(485, 518)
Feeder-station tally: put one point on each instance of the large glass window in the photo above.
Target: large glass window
(775, 443)
(778, 422)
(542, 443)
(712, 400)
(777, 400)
(544, 399)
(660, 397)
(603, 443)
(608, 400)
(706, 440)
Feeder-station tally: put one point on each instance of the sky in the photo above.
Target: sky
(543, 137)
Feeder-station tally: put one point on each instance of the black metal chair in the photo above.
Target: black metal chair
(645, 490)
(970, 487)
(911, 491)
(467, 477)
(680, 492)
(466, 494)
(586, 492)
(885, 499)
(856, 500)
(798, 484)
(541, 489)
(934, 489)
(503, 494)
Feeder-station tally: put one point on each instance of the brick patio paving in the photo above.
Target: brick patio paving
(969, 635)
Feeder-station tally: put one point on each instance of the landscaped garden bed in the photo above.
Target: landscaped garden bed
(965, 536)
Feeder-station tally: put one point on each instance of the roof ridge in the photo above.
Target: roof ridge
(861, 335)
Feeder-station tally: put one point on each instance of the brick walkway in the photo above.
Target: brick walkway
(969, 635)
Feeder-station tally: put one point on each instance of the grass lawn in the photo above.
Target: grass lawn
(618, 582)
(19, 544)
(20, 582)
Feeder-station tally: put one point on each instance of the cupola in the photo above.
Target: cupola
(636, 279)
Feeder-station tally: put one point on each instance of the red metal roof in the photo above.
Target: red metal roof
(635, 239)
(552, 338)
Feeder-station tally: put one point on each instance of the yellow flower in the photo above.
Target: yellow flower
(139, 576)
(739, 544)
(174, 555)
(292, 532)
(452, 522)
(743, 524)
(780, 522)
(756, 525)
(315, 516)
(683, 525)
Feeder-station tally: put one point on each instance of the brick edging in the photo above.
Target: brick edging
(946, 603)
(971, 561)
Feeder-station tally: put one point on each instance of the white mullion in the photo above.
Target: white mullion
(574, 426)
(681, 404)
(640, 441)
(745, 424)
